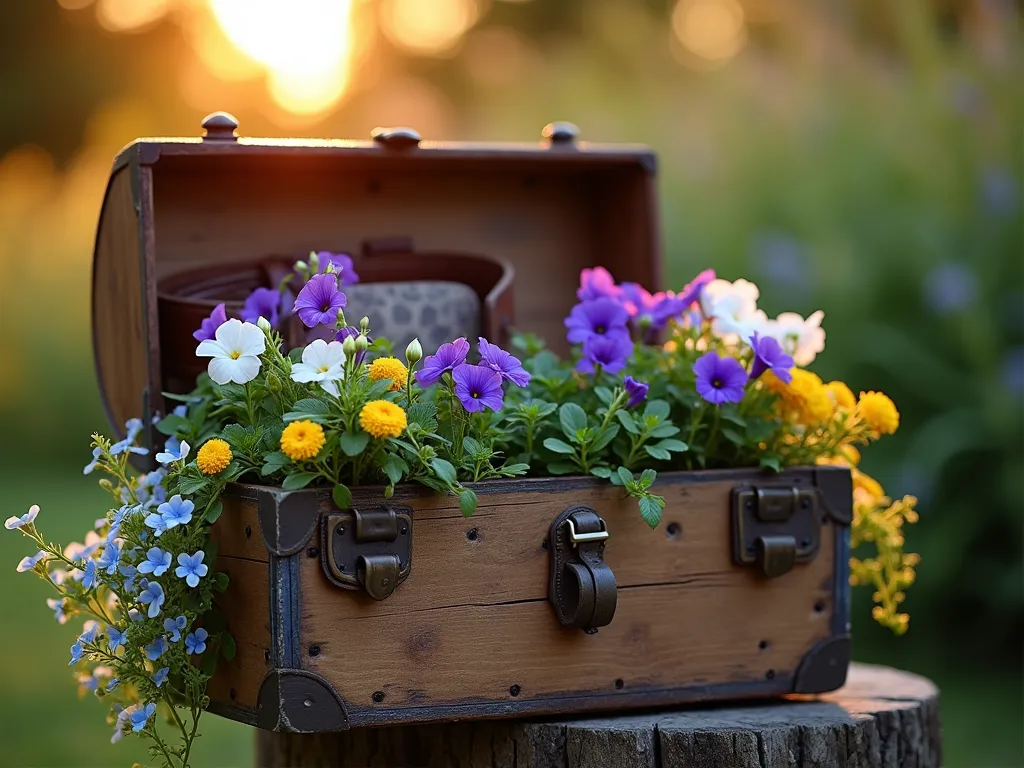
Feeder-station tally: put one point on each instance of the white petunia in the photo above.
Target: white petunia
(732, 307)
(321, 362)
(803, 339)
(235, 351)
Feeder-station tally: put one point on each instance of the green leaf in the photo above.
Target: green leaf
(309, 409)
(445, 471)
(558, 446)
(297, 480)
(214, 512)
(342, 496)
(604, 437)
(647, 478)
(658, 408)
(394, 468)
(559, 468)
(353, 443)
(173, 424)
(650, 509)
(658, 453)
(732, 436)
(728, 413)
(237, 436)
(228, 649)
(603, 394)
(573, 418)
(602, 472)
(274, 462)
(626, 419)
(467, 502)
(664, 430)
(188, 484)
(624, 475)
(515, 469)
(771, 462)
(472, 447)
(424, 414)
(221, 582)
(676, 446)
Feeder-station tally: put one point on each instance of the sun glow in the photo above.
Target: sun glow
(304, 45)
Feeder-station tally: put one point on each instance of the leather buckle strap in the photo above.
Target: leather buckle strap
(583, 590)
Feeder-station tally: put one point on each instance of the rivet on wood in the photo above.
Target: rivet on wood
(472, 534)
(770, 674)
(266, 656)
(248, 531)
(545, 545)
(314, 650)
(819, 607)
(673, 530)
(378, 696)
(233, 694)
(763, 644)
(312, 552)
(514, 690)
(619, 684)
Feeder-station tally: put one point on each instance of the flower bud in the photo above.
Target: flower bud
(340, 322)
(301, 267)
(273, 383)
(364, 325)
(414, 352)
(362, 343)
(264, 325)
(314, 262)
(348, 346)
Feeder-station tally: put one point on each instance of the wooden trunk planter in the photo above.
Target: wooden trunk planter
(471, 632)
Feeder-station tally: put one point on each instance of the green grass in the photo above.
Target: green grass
(45, 724)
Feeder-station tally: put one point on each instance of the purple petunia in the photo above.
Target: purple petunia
(609, 352)
(769, 356)
(208, 329)
(342, 262)
(319, 301)
(510, 368)
(599, 317)
(478, 387)
(691, 293)
(637, 391)
(650, 312)
(596, 283)
(263, 302)
(720, 379)
(447, 358)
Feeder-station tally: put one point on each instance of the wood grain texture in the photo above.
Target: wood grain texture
(118, 314)
(245, 606)
(882, 718)
(549, 217)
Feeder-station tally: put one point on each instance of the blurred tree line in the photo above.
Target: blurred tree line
(861, 157)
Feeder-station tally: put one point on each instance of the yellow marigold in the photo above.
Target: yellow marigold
(868, 484)
(302, 440)
(841, 394)
(878, 412)
(851, 454)
(809, 398)
(389, 368)
(382, 419)
(213, 457)
(774, 384)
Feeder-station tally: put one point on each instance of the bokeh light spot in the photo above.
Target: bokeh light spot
(713, 30)
(130, 15)
(429, 28)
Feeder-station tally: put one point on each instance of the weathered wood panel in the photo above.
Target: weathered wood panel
(246, 607)
(118, 316)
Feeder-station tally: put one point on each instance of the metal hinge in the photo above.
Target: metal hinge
(369, 549)
(775, 527)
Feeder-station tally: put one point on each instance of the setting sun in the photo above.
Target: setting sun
(304, 45)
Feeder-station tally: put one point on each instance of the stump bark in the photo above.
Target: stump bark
(882, 718)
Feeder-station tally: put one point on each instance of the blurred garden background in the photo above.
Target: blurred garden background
(863, 157)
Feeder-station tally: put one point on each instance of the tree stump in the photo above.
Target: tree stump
(882, 717)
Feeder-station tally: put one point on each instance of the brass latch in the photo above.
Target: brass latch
(583, 590)
(368, 549)
(775, 527)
